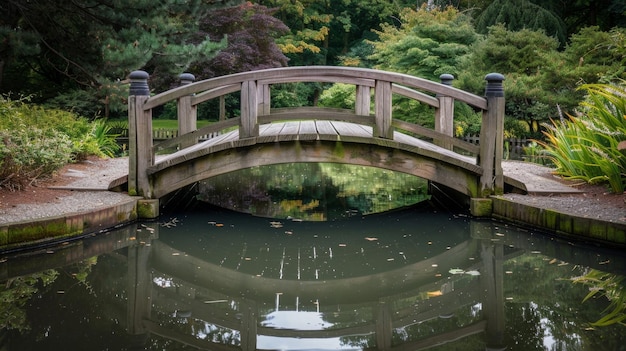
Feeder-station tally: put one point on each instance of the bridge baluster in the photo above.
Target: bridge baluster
(491, 137)
(444, 115)
(249, 110)
(363, 100)
(383, 105)
(187, 113)
(140, 151)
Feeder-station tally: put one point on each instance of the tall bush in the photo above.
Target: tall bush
(586, 147)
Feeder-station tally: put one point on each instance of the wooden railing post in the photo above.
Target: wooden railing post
(491, 137)
(249, 127)
(383, 103)
(444, 115)
(264, 99)
(140, 135)
(187, 114)
(363, 100)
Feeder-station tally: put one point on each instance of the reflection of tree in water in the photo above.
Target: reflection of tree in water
(314, 191)
(541, 301)
(16, 293)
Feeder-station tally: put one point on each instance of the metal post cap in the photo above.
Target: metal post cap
(446, 79)
(139, 83)
(186, 78)
(494, 85)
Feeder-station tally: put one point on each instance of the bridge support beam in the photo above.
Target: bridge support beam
(491, 137)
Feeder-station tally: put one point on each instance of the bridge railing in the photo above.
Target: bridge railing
(255, 109)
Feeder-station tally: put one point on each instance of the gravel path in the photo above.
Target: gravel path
(84, 188)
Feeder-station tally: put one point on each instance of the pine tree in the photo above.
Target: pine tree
(94, 44)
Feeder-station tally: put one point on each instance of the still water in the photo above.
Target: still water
(211, 279)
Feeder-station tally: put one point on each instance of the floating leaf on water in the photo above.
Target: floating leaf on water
(456, 271)
(215, 301)
(434, 293)
(276, 225)
(474, 272)
(370, 238)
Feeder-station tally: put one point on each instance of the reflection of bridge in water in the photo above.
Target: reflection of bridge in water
(169, 291)
(365, 135)
(391, 301)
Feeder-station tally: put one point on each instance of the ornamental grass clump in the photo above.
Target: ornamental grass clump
(587, 147)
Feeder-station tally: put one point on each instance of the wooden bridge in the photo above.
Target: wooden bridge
(364, 135)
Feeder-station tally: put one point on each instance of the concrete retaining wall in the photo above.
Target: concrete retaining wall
(30, 233)
(561, 224)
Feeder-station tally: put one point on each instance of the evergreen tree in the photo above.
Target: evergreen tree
(521, 14)
(93, 44)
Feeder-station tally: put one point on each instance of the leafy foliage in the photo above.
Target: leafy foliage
(587, 147)
(517, 15)
(250, 30)
(610, 286)
(37, 141)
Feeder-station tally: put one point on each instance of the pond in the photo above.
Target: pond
(412, 279)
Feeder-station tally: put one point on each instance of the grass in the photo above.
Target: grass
(169, 124)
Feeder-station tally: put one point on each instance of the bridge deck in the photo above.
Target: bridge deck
(311, 131)
(530, 178)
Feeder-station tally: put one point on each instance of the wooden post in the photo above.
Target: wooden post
(249, 127)
(491, 137)
(187, 114)
(363, 100)
(444, 115)
(222, 108)
(264, 100)
(383, 103)
(139, 136)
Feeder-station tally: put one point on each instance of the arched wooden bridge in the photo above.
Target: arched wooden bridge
(365, 135)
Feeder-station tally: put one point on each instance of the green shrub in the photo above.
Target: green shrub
(36, 141)
(586, 147)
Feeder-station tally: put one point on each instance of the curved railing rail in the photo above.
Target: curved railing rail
(255, 93)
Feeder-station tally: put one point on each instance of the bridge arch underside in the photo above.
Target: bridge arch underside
(457, 175)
